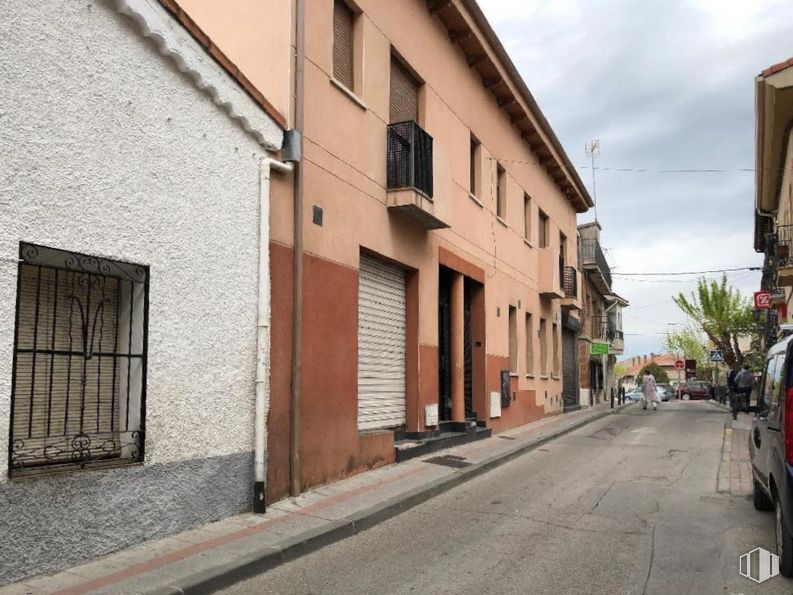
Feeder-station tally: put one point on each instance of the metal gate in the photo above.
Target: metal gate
(569, 370)
(381, 345)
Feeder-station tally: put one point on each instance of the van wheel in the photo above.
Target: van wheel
(784, 542)
(686, 397)
(760, 500)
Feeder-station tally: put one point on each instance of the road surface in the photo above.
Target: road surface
(627, 504)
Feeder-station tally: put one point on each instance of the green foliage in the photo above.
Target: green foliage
(657, 371)
(722, 313)
(621, 369)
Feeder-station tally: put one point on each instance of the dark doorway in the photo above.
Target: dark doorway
(444, 345)
(468, 352)
(570, 370)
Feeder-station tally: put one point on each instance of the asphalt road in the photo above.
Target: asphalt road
(627, 504)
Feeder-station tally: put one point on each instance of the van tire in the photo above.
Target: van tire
(784, 541)
(760, 499)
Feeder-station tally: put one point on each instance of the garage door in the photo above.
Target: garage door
(381, 345)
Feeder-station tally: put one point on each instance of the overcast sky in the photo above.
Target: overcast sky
(662, 85)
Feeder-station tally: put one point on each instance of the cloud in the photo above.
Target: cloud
(663, 85)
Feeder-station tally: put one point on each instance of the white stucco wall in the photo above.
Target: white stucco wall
(107, 149)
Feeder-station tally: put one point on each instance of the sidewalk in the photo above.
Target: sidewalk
(226, 551)
(735, 469)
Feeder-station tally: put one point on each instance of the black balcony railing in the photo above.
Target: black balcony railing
(781, 246)
(409, 157)
(603, 328)
(592, 254)
(570, 282)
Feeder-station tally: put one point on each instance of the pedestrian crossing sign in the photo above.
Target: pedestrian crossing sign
(716, 355)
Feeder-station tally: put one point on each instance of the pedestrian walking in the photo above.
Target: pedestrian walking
(744, 381)
(649, 391)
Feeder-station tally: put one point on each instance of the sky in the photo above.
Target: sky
(662, 85)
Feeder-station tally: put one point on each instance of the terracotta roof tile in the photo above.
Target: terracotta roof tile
(778, 67)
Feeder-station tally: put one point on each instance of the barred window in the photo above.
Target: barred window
(79, 361)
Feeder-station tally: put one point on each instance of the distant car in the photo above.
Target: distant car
(633, 396)
(695, 389)
(666, 392)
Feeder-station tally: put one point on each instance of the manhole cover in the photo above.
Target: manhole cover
(449, 461)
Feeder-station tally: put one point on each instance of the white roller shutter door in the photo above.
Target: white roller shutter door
(381, 345)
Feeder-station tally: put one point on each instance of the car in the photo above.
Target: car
(666, 392)
(633, 396)
(771, 448)
(694, 389)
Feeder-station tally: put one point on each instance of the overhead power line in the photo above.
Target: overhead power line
(677, 273)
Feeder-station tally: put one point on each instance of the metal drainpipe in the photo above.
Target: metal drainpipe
(297, 313)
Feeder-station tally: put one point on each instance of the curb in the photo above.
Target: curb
(219, 577)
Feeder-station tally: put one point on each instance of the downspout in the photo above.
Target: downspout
(297, 312)
(263, 330)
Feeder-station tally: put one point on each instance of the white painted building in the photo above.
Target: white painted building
(134, 179)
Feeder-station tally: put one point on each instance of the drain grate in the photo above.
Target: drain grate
(449, 461)
(507, 437)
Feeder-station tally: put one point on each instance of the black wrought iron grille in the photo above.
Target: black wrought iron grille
(409, 157)
(79, 378)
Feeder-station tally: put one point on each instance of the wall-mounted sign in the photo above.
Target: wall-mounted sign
(762, 300)
(599, 348)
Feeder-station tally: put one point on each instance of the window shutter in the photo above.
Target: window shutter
(343, 20)
(404, 94)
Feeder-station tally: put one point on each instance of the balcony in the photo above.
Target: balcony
(593, 260)
(781, 253)
(409, 179)
(550, 273)
(604, 328)
(570, 287)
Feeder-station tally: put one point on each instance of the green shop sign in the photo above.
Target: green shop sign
(599, 348)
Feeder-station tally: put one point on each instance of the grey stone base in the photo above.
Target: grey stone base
(51, 523)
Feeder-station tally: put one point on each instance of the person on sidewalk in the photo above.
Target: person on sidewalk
(744, 381)
(649, 391)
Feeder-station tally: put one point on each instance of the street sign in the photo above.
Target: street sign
(762, 300)
(716, 355)
(680, 364)
(599, 348)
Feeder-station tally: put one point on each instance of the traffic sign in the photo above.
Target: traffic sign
(680, 364)
(716, 355)
(762, 300)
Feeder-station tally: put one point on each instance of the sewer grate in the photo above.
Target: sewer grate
(449, 461)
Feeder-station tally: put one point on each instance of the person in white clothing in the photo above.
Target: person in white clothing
(649, 391)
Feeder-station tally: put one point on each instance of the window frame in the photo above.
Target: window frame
(474, 165)
(356, 50)
(72, 451)
(526, 217)
(501, 192)
(543, 331)
(512, 319)
(543, 229)
(529, 326)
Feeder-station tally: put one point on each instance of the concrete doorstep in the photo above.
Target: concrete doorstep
(222, 553)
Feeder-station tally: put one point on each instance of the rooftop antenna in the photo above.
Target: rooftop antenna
(592, 150)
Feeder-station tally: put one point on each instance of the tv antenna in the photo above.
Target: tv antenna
(592, 150)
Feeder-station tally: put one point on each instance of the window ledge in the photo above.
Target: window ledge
(502, 221)
(513, 374)
(529, 375)
(350, 94)
(528, 243)
(474, 198)
(544, 376)
(555, 376)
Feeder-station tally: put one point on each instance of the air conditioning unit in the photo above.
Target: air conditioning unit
(431, 415)
(495, 404)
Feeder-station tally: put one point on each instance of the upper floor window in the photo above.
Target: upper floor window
(513, 339)
(404, 106)
(474, 165)
(344, 44)
(542, 238)
(527, 217)
(79, 361)
(501, 192)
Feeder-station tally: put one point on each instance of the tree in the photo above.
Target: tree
(722, 313)
(687, 343)
(657, 372)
